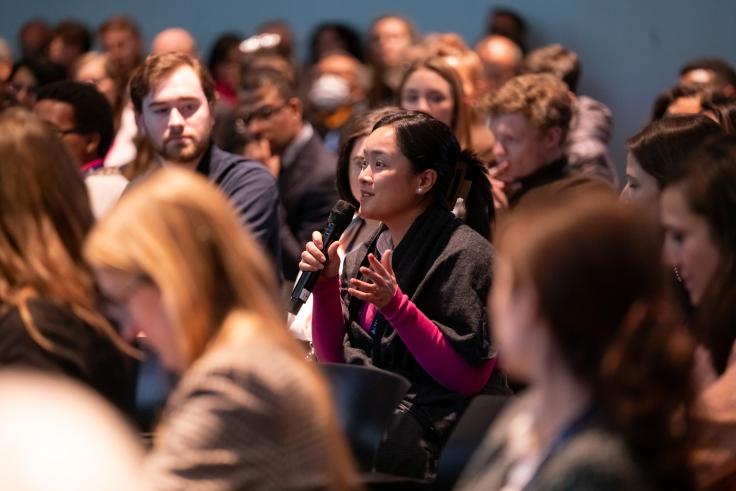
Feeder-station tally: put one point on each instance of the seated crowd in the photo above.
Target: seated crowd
(156, 205)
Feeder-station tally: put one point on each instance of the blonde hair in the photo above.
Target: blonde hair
(217, 285)
(543, 98)
(44, 217)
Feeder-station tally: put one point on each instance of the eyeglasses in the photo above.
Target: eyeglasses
(63, 132)
(263, 114)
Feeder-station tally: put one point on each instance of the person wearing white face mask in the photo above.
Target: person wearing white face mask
(336, 94)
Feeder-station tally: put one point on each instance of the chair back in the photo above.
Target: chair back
(365, 399)
(466, 437)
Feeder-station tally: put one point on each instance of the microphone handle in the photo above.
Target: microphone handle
(305, 284)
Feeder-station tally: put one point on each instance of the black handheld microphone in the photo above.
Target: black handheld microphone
(340, 217)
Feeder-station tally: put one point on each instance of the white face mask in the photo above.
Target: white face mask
(329, 92)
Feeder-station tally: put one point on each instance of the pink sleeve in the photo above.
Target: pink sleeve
(328, 324)
(432, 350)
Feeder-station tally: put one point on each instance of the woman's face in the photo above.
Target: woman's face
(425, 90)
(641, 187)
(357, 159)
(688, 245)
(139, 308)
(94, 72)
(388, 187)
(25, 87)
(515, 323)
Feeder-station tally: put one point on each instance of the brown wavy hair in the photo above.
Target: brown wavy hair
(45, 216)
(596, 270)
(710, 190)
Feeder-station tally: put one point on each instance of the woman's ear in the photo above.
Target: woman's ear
(427, 180)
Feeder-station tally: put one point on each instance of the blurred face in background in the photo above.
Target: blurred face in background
(689, 244)
(641, 188)
(521, 148)
(516, 325)
(139, 308)
(123, 48)
(24, 86)
(389, 39)
(425, 90)
(95, 72)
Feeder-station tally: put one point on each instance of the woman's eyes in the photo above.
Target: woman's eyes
(436, 98)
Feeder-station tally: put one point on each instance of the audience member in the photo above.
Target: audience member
(682, 99)
(49, 315)
(586, 146)
(248, 412)
(700, 240)
(70, 40)
(83, 119)
(530, 117)
(94, 68)
(224, 66)
(414, 292)
(389, 36)
(285, 47)
(501, 59)
(174, 39)
(173, 97)
(508, 23)
(434, 87)
(121, 41)
(714, 72)
(57, 436)
(452, 50)
(33, 38)
(334, 37)
(658, 154)
(723, 111)
(579, 312)
(81, 116)
(28, 76)
(337, 93)
(6, 61)
(350, 162)
(271, 114)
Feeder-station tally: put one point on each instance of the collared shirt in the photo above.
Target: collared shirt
(296, 145)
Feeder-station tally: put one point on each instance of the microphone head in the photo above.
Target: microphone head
(341, 215)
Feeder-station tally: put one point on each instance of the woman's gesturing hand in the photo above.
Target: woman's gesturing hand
(381, 287)
(314, 260)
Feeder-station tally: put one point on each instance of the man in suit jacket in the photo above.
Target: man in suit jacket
(270, 115)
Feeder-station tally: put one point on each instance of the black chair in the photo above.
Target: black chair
(466, 437)
(365, 399)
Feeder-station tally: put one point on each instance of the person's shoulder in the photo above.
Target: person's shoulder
(315, 156)
(235, 171)
(469, 243)
(596, 458)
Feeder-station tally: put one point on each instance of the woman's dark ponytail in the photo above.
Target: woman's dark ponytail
(472, 185)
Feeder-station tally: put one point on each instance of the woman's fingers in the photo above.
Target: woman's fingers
(372, 275)
(317, 239)
(388, 255)
(315, 251)
(363, 285)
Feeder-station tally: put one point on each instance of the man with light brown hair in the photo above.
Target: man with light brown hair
(173, 97)
(530, 117)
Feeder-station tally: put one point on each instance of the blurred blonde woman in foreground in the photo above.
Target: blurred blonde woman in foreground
(249, 412)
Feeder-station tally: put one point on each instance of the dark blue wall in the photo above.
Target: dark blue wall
(630, 49)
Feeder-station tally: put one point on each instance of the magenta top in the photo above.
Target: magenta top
(420, 335)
